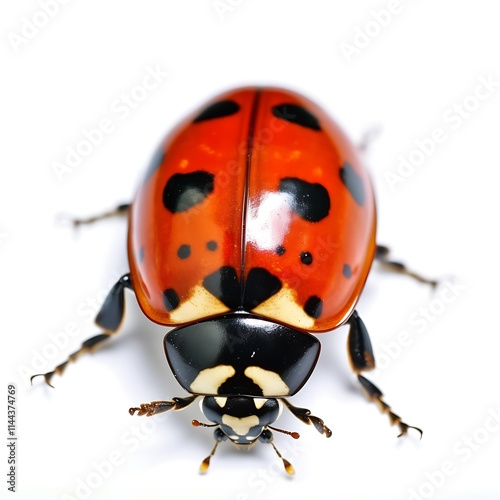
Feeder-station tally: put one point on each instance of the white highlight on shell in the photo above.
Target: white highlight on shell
(269, 221)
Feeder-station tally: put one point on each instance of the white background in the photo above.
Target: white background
(442, 220)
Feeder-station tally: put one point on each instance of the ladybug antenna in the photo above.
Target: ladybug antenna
(197, 423)
(288, 466)
(293, 434)
(206, 463)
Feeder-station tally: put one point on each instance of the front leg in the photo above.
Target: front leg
(157, 407)
(305, 416)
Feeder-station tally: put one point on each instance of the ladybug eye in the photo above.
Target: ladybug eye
(306, 258)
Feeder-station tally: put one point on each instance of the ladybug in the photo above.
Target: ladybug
(252, 230)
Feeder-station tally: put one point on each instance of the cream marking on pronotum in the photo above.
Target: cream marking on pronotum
(209, 380)
(270, 382)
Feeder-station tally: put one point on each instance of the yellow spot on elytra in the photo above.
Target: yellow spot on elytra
(283, 306)
(184, 163)
(207, 149)
(200, 304)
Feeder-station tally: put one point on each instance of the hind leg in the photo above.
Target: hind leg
(120, 210)
(362, 359)
(382, 256)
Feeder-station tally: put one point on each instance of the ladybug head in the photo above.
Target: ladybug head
(231, 361)
(244, 420)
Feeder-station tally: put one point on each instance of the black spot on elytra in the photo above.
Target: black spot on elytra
(280, 250)
(224, 285)
(184, 251)
(184, 191)
(309, 201)
(259, 286)
(170, 299)
(306, 258)
(212, 245)
(296, 114)
(218, 110)
(313, 306)
(352, 181)
(154, 163)
(346, 271)
(140, 254)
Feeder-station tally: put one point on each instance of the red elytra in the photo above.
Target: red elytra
(259, 202)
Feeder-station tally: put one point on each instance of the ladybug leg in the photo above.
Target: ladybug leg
(90, 345)
(119, 210)
(361, 358)
(156, 407)
(382, 255)
(368, 138)
(305, 415)
(109, 318)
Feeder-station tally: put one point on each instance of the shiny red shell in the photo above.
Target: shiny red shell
(260, 203)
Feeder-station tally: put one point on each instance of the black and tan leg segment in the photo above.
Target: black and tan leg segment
(305, 416)
(157, 407)
(109, 318)
(90, 345)
(375, 394)
(362, 359)
(382, 256)
(112, 311)
(120, 210)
